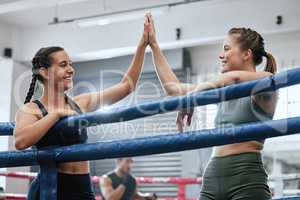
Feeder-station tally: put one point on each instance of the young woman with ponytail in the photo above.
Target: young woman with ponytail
(52, 67)
(235, 171)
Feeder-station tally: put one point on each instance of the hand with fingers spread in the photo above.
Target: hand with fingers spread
(182, 116)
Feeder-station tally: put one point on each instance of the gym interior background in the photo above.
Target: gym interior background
(189, 31)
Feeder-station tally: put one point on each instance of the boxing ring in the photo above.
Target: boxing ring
(48, 158)
(180, 182)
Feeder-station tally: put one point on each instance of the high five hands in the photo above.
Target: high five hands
(184, 116)
(149, 36)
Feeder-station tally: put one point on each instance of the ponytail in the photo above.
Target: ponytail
(271, 63)
(250, 39)
(31, 89)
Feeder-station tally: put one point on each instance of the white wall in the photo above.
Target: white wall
(6, 67)
(5, 37)
(5, 100)
(20, 80)
(200, 22)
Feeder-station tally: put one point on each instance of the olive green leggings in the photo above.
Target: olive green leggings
(235, 177)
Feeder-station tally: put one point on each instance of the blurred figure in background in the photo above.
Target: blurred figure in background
(121, 185)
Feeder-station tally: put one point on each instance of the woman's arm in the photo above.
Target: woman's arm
(91, 101)
(170, 82)
(30, 129)
(267, 101)
(167, 77)
(172, 85)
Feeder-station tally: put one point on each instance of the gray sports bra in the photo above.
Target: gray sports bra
(239, 111)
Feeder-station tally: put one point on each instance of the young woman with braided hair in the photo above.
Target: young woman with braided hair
(235, 171)
(53, 68)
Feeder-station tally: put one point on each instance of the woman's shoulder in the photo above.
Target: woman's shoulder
(30, 108)
(81, 101)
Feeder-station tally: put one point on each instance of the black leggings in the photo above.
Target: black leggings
(235, 177)
(69, 187)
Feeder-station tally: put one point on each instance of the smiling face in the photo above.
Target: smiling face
(232, 57)
(60, 73)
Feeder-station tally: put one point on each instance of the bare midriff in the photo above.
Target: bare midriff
(237, 148)
(81, 167)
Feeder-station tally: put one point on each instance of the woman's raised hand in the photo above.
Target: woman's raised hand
(151, 30)
(145, 37)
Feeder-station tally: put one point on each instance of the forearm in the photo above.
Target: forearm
(117, 193)
(229, 78)
(167, 77)
(30, 135)
(222, 80)
(132, 75)
(93, 100)
(248, 76)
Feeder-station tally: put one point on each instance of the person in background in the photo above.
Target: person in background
(121, 185)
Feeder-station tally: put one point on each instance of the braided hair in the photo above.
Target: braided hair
(250, 39)
(41, 59)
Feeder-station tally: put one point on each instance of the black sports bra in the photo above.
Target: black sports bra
(57, 138)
